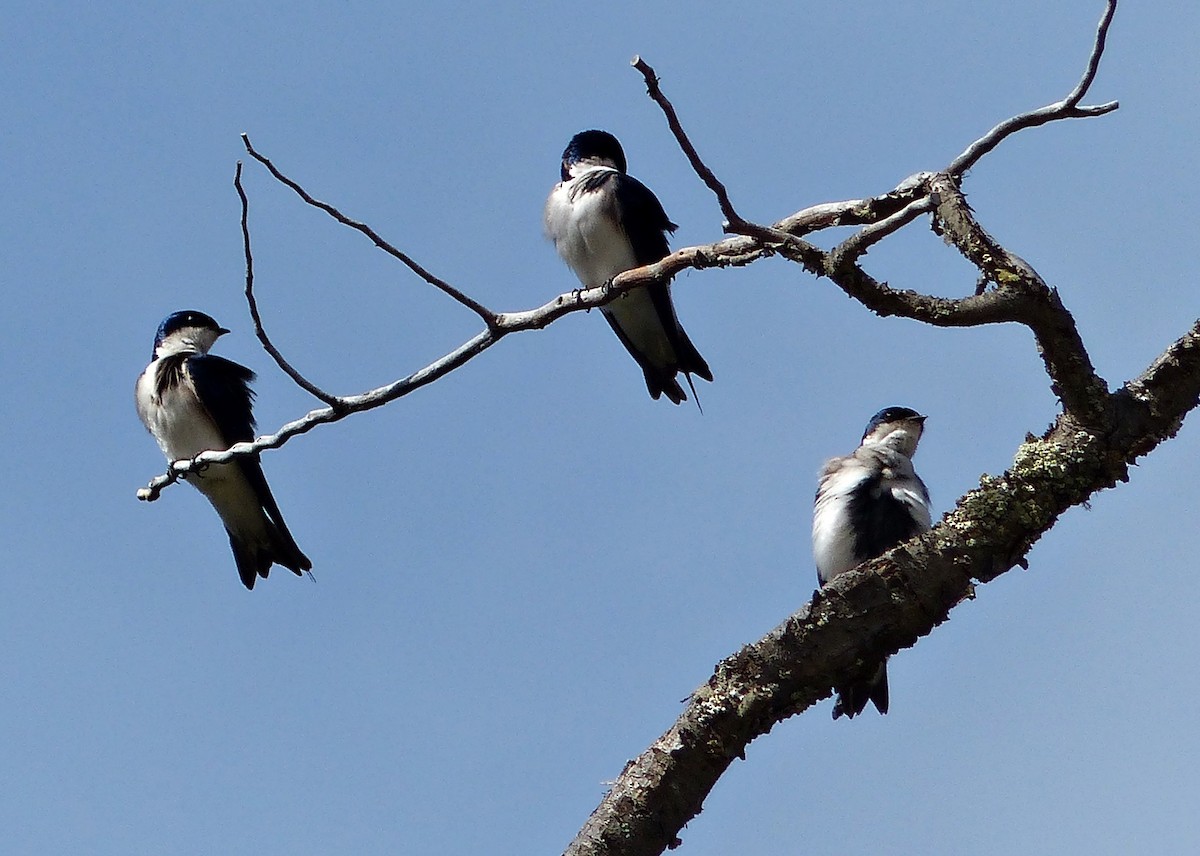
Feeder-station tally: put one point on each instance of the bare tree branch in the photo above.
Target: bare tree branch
(1068, 108)
(1073, 378)
(1093, 65)
(856, 212)
(349, 404)
(881, 215)
(735, 251)
(303, 382)
(889, 603)
(767, 236)
(1021, 295)
(730, 252)
(849, 251)
(478, 308)
(733, 221)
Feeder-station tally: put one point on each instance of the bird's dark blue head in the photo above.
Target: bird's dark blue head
(187, 319)
(593, 147)
(892, 414)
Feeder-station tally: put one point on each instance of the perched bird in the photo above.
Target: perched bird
(868, 502)
(604, 222)
(192, 401)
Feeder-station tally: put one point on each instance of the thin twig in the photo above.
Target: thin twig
(1068, 108)
(856, 212)
(734, 222)
(850, 250)
(332, 400)
(475, 306)
(1093, 64)
(729, 252)
(735, 252)
(349, 404)
(706, 174)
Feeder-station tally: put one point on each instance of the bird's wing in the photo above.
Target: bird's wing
(886, 512)
(223, 388)
(913, 494)
(834, 541)
(646, 226)
(646, 223)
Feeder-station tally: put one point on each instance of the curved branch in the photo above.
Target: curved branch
(730, 252)
(1021, 297)
(1068, 108)
(853, 248)
(1083, 393)
(1093, 65)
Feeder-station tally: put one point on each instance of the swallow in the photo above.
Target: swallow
(868, 502)
(604, 222)
(192, 401)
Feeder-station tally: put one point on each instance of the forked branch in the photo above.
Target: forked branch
(301, 381)
(441, 285)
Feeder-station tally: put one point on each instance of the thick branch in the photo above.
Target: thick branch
(1154, 404)
(1084, 394)
(891, 602)
(883, 606)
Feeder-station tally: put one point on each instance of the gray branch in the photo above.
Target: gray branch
(891, 602)
(1067, 108)
(730, 252)
(1083, 393)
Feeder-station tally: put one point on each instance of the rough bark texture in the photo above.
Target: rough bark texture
(886, 605)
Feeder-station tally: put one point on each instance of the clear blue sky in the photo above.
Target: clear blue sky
(522, 569)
